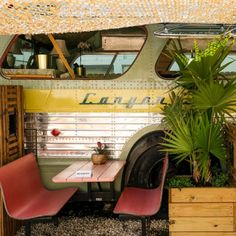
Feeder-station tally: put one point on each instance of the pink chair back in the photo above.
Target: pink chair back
(20, 182)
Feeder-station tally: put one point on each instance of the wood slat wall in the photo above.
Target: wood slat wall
(11, 145)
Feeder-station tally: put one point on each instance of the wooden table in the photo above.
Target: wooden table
(107, 172)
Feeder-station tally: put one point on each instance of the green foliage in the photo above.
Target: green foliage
(101, 148)
(206, 65)
(179, 182)
(219, 178)
(211, 48)
(196, 116)
(215, 96)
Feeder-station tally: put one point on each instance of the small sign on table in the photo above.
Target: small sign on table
(84, 173)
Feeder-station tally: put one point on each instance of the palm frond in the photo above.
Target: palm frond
(197, 113)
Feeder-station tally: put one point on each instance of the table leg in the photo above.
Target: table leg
(99, 186)
(89, 186)
(112, 190)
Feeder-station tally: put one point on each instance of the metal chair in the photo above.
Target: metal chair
(140, 202)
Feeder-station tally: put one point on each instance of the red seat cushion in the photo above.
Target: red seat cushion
(138, 202)
(47, 203)
(142, 202)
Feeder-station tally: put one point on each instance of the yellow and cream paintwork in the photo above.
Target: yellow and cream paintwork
(97, 100)
(139, 81)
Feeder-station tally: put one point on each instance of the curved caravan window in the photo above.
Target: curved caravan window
(167, 68)
(86, 55)
(109, 64)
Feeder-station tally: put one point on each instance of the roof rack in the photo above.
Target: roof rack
(169, 30)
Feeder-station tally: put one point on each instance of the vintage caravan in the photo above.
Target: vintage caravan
(62, 92)
(110, 89)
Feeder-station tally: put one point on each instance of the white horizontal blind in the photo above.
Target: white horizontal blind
(81, 131)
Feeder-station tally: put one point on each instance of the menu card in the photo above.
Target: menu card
(84, 173)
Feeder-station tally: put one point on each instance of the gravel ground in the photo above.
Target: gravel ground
(95, 219)
(95, 226)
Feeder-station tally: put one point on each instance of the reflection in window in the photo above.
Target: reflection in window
(114, 63)
(167, 68)
(22, 59)
(108, 54)
(230, 68)
(174, 66)
(18, 55)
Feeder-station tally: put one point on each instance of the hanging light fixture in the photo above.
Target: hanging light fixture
(62, 45)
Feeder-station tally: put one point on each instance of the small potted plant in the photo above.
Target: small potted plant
(80, 69)
(101, 154)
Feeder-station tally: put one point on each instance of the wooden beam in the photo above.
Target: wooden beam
(61, 56)
(30, 76)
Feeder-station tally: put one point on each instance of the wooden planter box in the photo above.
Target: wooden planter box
(202, 211)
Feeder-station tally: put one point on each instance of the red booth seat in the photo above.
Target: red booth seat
(24, 194)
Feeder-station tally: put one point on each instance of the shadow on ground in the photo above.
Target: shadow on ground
(97, 218)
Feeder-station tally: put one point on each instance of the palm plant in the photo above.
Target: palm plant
(198, 111)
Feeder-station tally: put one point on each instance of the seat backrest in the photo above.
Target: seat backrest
(20, 182)
(164, 171)
(158, 191)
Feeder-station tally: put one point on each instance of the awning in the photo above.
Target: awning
(59, 16)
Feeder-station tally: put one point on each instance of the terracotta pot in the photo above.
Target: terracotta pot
(99, 159)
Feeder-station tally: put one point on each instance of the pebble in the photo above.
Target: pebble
(95, 226)
(97, 219)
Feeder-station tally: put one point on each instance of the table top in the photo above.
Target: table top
(100, 173)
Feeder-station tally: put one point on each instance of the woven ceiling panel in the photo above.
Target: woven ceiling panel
(59, 16)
